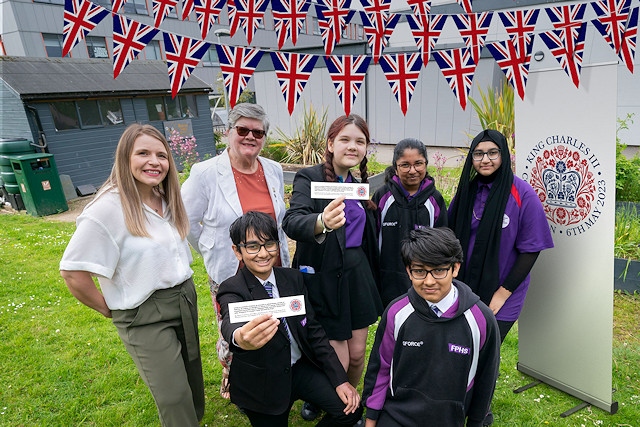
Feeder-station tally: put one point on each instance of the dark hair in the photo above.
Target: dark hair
(262, 225)
(431, 246)
(335, 128)
(398, 151)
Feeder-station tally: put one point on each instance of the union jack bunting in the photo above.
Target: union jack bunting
(247, 14)
(376, 11)
(237, 65)
(420, 7)
(288, 19)
(333, 15)
(473, 28)
(347, 73)
(466, 5)
(129, 38)
(568, 20)
(80, 17)
(116, 5)
(458, 67)
(426, 31)
(628, 47)
(378, 35)
(520, 26)
(161, 9)
(293, 71)
(513, 64)
(183, 54)
(402, 72)
(568, 55)
(612, 20)
(187, 8)
(207, 11)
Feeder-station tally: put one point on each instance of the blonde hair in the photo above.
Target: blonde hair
(122, 179)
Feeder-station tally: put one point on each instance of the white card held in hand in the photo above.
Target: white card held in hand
(278, 307)
(333, 190)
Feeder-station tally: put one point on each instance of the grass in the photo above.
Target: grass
(62, 364)
(627, 233)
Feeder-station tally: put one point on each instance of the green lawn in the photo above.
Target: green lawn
(62, 364)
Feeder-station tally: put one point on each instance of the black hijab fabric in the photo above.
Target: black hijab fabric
(481, 272)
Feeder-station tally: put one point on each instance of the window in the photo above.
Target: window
(53, 45)
(65, 115)
(89, 114)
(50, 1)
(360, 32)
(86, 113)
(97, 47)
(165, 108)
(188, 106)
(152, 51)
(315, 27)
(210, 57)
(111, 112)
(136, 6)
(156, 109)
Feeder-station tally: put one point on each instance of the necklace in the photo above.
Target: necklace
(476, 216)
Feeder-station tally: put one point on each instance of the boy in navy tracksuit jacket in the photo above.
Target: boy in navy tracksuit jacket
(436, 355)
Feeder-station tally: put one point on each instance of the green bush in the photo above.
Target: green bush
(274, 150)
(627, 170)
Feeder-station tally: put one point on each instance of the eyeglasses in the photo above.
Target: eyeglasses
(437, 273)
(492, 154)
(243, 131)
(254, 248)
(406, 167)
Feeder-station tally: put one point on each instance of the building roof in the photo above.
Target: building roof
(54, 78)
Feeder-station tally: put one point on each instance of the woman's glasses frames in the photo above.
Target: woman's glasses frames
(491, 154)
(406, 167)
(243, 131)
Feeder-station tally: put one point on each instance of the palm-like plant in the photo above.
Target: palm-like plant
(307, 145)
(496, 111)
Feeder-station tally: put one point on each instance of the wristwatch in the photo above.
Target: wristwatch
(325, 229)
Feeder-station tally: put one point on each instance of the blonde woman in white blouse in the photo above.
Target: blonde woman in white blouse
(132, 237)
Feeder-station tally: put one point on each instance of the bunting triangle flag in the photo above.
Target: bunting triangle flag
(377, 11)
(207, 11)
(289, 17)
(248, 14)
(161, 9)
(457, 67)
(420, 7)
(426, 31)
(183, 55)
(466, 5)
(237, 65)
(473, 28)
(514, 64)
(569, 56)
(520, 25)
(378, 35)
(628, 46)
(116, 5)
(293, 71)
(333, 15)
(80, 17)
(402, 72)
(347, 73)
(187, 8)
(612, 20)
(129, 39)
(568, 20)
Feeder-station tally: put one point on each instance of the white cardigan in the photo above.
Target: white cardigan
(212, 204)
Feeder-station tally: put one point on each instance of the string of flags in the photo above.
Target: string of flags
(616, 21)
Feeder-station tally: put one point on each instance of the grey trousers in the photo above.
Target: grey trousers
(161, 336)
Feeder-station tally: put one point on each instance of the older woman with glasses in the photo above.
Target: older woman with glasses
(407, 201)
(223, 188)
(502, 227)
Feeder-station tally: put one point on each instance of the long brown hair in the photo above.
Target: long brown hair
(335, 128)
(122, 179)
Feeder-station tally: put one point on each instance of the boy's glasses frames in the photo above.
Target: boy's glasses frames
(437, 273)
(254, 248)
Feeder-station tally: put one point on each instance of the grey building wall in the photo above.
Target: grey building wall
(13, 117)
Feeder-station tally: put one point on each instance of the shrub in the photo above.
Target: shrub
(627, 170)
(307, 145)
(183, 149)
(497, 111)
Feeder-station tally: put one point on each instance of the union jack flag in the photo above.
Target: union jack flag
(288, 19)
(628, 47)
(237, 65)
(520, 26)
(347, 73)
(187, 8)
(116, 5)
(183, 55)
(378, 35)
(568, 55)
(612, 20)
(207, 11)
(293, 71)
(161, 9)
(473, 28)
(80, 17)
(457, 67)
(426, 31)
(129, 38)
(466, 5)
(247, 14)
(514, 65)
(377, 10)
(568, 20)
(420, 7)
(402, 72)
(333, 15)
